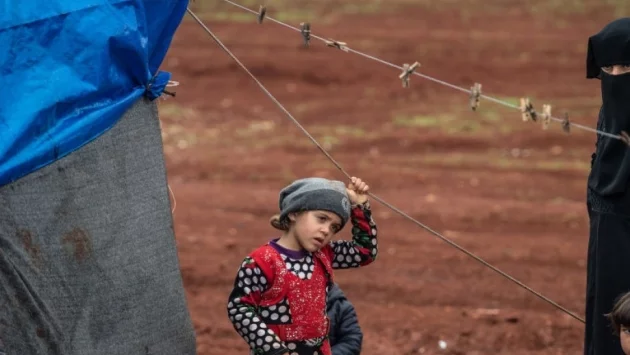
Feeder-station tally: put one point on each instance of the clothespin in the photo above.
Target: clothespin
(407, 70)
(306, 32)
(566, 125)
(625, 137)
(527, 110)
(546, 116)
(170, 83)
(475, 94)
(337, 44)
(261, 13)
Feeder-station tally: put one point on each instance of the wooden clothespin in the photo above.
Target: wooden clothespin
(337, 44)
(407, 70)
(170, 83)
(624, 137)
(306, 32)
(261, 13)
(546, 116)
(475, 95)
(566, 124)
(527, 110)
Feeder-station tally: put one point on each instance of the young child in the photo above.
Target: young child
(278, 304)
(346, 337)
(620, 319)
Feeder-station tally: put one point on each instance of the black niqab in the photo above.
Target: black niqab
(610, 172)
(608, 47)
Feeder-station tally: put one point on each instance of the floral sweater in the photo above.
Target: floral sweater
(278, 303)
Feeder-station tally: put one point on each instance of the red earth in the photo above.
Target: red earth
(504, 189)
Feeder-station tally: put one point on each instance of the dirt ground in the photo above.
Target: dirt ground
(502, 188)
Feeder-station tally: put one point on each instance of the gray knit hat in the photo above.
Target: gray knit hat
(315, 194)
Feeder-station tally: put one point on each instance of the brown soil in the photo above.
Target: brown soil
(504, 189)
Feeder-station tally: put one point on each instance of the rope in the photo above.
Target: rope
(393, 208)
(174, 200)
(441, 82)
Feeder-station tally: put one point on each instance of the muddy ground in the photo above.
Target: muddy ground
(504, 189)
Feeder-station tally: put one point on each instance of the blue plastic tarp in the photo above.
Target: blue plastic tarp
(69, 69)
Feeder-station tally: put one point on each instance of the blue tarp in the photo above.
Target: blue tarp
(69, 69)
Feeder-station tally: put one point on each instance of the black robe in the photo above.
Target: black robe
(608, 201)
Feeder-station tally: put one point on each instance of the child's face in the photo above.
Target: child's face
(624, 337)
(314, 229)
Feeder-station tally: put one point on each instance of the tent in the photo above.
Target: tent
(87, 250)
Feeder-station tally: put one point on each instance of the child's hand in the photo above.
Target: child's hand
(357, 191)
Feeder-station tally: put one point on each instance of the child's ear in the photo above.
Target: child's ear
(292, 216)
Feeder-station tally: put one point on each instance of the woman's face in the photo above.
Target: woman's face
(616, 69)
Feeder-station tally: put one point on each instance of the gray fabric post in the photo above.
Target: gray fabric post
(88, 257)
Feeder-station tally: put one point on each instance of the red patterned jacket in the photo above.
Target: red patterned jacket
(278, 304)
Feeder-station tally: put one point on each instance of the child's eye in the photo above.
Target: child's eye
(607, 69)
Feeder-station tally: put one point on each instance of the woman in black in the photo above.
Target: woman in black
(608, 198)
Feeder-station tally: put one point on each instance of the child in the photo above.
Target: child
(620, 319)
(278, 304)
(346, 337)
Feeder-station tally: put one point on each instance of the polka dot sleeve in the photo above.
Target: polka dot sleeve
(242, 308)
(362, 249)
